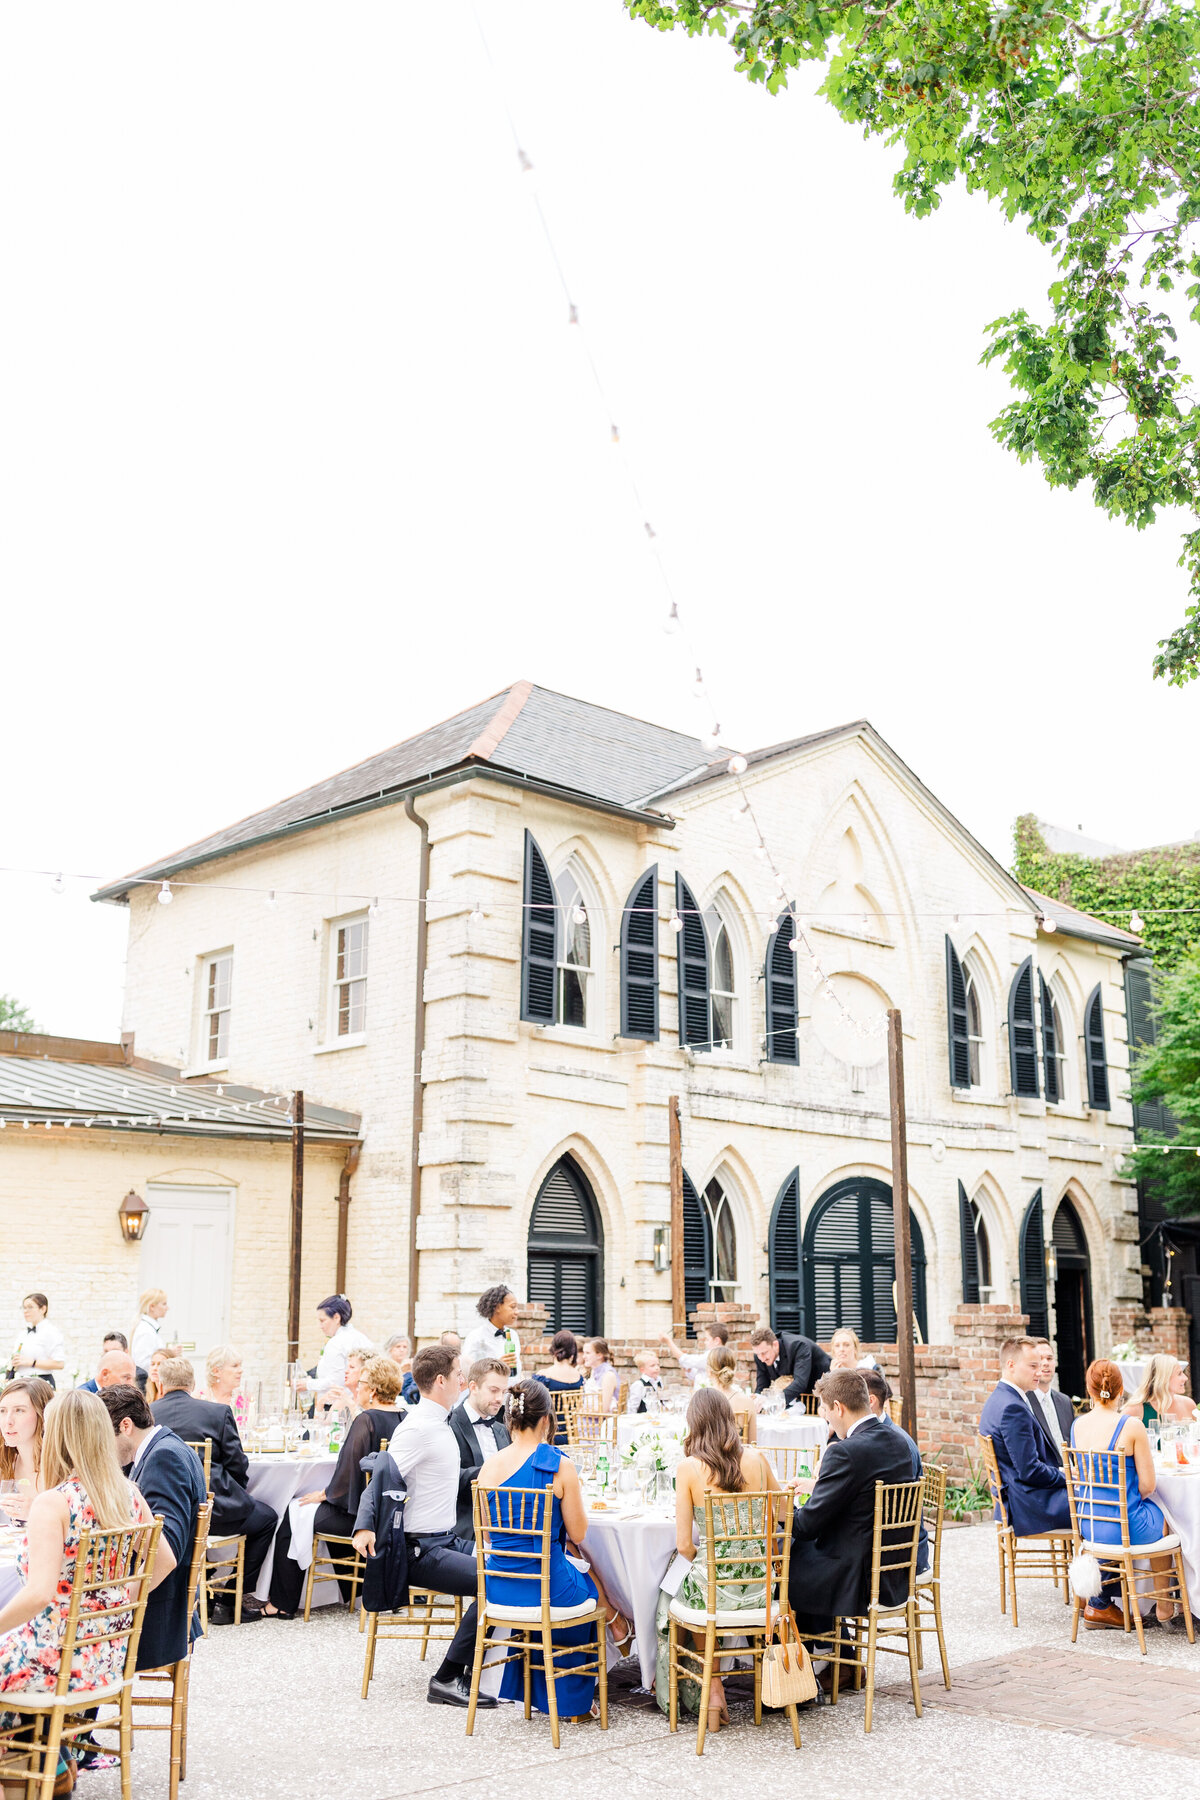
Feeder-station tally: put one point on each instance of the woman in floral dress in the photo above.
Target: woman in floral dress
(83, 1488)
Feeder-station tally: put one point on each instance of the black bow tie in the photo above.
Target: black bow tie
(489, 1423)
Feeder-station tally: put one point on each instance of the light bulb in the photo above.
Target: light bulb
(1135, 921)
(738, 765)
(675, 922)
(1048, 923)
(614, 434)
(57, 885)
(579, 916)
(373, 909)
(271, 898)
(761, 851)
(671, 622)
(165, 896)
(1166, 1149)
(712, 737)
(220, 1090)
(476, 914)
(795, 944)
(25, 1122)
(698, 686)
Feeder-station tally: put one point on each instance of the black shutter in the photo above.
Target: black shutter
(693, 971)
(1022, 1034)
(697, 1250)
(1149, 1115)
(783, 1258)
(956, 1020)
(1050, 1044)
(538, 938)
(639, 959)
(782, 998)
(970, 1249)
(1097, 1057)
(1032, 1260)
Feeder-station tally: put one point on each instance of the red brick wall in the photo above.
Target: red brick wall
(1163, 1331)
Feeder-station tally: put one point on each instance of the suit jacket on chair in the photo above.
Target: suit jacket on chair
(800, 1358)
(195, 1419)
(472, 1462)
(831, 1539)
(1035, 1488)
(170, 1480)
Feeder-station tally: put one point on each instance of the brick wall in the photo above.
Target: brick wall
(1161, 1331)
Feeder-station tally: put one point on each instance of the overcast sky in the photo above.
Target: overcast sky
(299, 453)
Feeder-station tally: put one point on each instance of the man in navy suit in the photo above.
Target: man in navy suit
(170, 1478)
(1035, 1489)
(879, 1393)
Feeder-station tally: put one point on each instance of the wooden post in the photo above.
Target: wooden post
(901, 1225)
(297, 1225)
(678, 1301)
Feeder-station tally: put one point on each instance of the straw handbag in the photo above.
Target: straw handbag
(787, 1672)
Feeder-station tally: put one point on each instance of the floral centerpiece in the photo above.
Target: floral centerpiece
(1129, 1352)
(649, 1447)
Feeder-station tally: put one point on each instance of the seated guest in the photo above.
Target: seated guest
(153, 1390)
(117, 1369)
(878, 1394)
(223, 1369)
(235, 1512)
(449, 1340)
(789, 1357)
(1052, 1410)
(399, 1348)
(23, 1404)
(84, 1489)
(494, 1336)
(845, 1351)
(344, 1399)
(1163, 1395)
(832, 1535)
(170, 1478)
(564, 1375)
(1105, 1429)
(1035, 1489)
(645, 1393)
(112, 1340)
(479, 1427)
(693, 1363)
(602, 1377)
(721, 1372)
(530, 1460)
(337, 1504)
(715, 1461)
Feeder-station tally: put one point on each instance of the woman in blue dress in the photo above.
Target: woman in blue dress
(1102, 1431)
(532, 1460)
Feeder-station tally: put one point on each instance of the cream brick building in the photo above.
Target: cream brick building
(290, 953)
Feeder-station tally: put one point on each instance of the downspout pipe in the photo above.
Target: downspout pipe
(418, 1092)
(343, 1221)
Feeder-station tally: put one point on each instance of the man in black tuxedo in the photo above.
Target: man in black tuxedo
(235, 1512)
(480, 1432)
(830, 1575)
(803, 1361)
(170, 1479)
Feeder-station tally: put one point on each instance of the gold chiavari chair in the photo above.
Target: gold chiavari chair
(507, 1521)
(743, 1414)
(176, 1675)
(929, 1584)
(428, 1617)
(586, 1422)
(739, 1530)
(231, 1544)
(341, 1559)
(1098, 1495)
(1043, 1556)
(791, 1462)
(893, 1553)
(107, 1605)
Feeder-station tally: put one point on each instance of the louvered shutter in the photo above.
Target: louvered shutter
(639, 959)
(1032, 1262)
(956, 1020)
(693, 970)
(1097, 1057)
(697, 1250)
(1022, 1034)
(565, 1254)
(782, 997)
(783, 1258)
(1050, 1045)
(1148, 1115)
(538, 938)
(970, 1249)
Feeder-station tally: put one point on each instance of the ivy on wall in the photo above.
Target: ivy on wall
(1112, 887)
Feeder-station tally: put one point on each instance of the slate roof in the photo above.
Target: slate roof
(127, 1098)
(1073, 923)
(527, 733)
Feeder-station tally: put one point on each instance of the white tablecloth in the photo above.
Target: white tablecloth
(10, 1581)
(1132, 1374)
(277, 1480)
(631, 1555)
(1179, 1497)
(791, 1431)
(664, 1425)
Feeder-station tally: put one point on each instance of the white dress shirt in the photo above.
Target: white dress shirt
(483, 1341)
(485, 1437)
(694, 1367)
(149, 1335)
(1046, 1402)
(142, 1449)
(425, 1451)
(331, 1364)
(45, 1343)
(642, 1389)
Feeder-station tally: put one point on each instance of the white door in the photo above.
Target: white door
(187, 1252)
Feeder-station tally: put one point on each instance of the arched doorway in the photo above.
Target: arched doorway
(1072, 1298)
(850, 1263)
(710, 1251)
(566, 1252)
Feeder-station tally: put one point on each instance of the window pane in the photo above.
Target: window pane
(352, 951)
(722, 975)
(578, 943)
(218, 1036)
(572, 997)
(722, 1019)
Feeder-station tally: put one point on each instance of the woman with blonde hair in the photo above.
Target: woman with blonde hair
(223, 1369)
(153, 1384)
(83, 1488)
(148, 1335)
(23, 1404)
(845, 1351)
(1163, 1394)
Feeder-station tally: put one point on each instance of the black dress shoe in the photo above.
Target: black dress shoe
(224, 1615)
(456, 1692)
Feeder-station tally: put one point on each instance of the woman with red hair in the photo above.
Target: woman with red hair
(1103, 1431)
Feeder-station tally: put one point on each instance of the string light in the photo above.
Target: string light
(373, 909)
(675, 922)
(671, 622)
(738, 765)
(165, 896)
(712, 737)
(476, 914)
(1047, 923)
(57, 885)
(271, 897)
(579, 916)
(1135, 922)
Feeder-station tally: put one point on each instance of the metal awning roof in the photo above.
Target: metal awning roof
(36, 1092)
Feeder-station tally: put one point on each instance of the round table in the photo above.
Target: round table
(660, 1424)
(277, 1480)
(1177, 1491)
(1132, 1374)
(630, 1552)
(791, 1431)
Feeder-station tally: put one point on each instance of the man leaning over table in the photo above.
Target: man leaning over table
(424, 1456)
(800, 1359)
